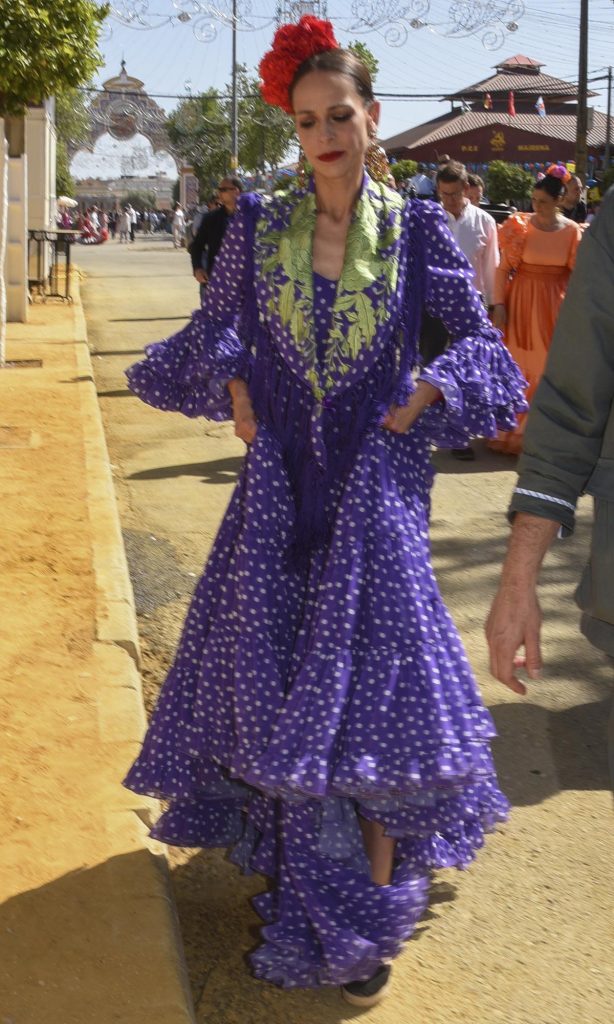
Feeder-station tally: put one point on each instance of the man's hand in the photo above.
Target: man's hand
(201, 275)
(515, 617)
(400, 418)
(514, 622)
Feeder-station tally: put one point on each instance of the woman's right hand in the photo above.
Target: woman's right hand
(246, 426)
(499, 316)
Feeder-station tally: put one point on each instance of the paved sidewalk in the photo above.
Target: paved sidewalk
(87, 930)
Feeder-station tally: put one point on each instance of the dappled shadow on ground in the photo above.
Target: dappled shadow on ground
(561, 743)
(120, 393)
(485, 461)
(87, 946)
(540, 752)
(220, 929)
(146, 319)
(117, 352)
(216, 471)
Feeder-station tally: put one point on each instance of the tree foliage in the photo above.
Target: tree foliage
(265, 132)
(139, 199)
(46, 46)
(64, 181)
(369, 59)
(404, 169)
(72, 127)
(508, 182)
(200, 130)
(608, 180)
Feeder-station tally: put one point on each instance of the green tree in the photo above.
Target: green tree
(72, 126)
(369, 59)
(404, 169)
(139, 199)
(508, 182)
(608, 180)
(46, 46)
(265, 132)
(200, 131)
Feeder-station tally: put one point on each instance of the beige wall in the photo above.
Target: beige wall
(16, 265)
(40, 147)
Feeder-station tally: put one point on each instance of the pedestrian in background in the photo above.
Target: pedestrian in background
(124, 223)
(475, 191)
(132, 218)
(178, 226)
(475, 233)
(572, 204)
(538, 253)
(568, 450)
(206, 244)
(423, 185)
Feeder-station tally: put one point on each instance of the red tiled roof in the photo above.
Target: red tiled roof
(544, 85)
(554, 126)
(519, 61)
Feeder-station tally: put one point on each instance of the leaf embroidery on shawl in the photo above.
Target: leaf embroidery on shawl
(365, 290)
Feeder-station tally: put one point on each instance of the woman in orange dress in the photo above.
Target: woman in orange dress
(538, 252)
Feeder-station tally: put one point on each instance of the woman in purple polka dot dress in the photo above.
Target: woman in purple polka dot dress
(321, 716)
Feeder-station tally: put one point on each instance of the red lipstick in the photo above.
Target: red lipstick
(329, 157)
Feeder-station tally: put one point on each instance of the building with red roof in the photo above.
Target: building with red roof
(480, 126)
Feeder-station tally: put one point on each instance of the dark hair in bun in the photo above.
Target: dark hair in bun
(345, 63)
(553, 186)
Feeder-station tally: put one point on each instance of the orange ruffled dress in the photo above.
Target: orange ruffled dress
(531, 281)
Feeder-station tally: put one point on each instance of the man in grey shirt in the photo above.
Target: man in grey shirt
(568, 450)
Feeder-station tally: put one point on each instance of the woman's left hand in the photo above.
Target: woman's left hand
(400, 418)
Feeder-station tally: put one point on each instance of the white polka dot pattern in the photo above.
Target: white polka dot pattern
(307, 690)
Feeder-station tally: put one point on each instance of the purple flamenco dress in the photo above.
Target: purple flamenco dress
(319, 676)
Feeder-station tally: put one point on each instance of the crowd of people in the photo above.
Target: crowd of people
(95, 225)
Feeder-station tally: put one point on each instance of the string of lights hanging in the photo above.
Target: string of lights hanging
(490, 20)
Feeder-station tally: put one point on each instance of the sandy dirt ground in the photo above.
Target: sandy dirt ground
(525, 935)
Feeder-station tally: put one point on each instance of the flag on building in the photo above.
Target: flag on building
(488, 101)
(540, 106)
(511, 109)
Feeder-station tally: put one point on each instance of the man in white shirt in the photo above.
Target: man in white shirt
(475, 232)
(474, 229)
(133, 220)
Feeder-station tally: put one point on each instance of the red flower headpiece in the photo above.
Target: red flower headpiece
(559, 171)
(292, 45)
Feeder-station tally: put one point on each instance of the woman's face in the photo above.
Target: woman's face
(332, 123)
(543, 204)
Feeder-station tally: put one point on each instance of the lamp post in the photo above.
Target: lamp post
(234, 148)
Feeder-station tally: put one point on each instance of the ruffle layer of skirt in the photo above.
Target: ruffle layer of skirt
(299, 700)
(326, 923)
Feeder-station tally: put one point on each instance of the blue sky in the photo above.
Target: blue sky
(169, 56)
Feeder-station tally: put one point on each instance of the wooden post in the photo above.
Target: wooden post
(608, 129)
(582, 118)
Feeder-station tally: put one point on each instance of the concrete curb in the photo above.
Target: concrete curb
(115, 611)
(121, 713)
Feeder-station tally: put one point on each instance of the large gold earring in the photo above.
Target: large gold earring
(301, 169)
(376, 161)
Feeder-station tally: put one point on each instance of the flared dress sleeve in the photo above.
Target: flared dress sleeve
(481, 385)
(189, 371)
